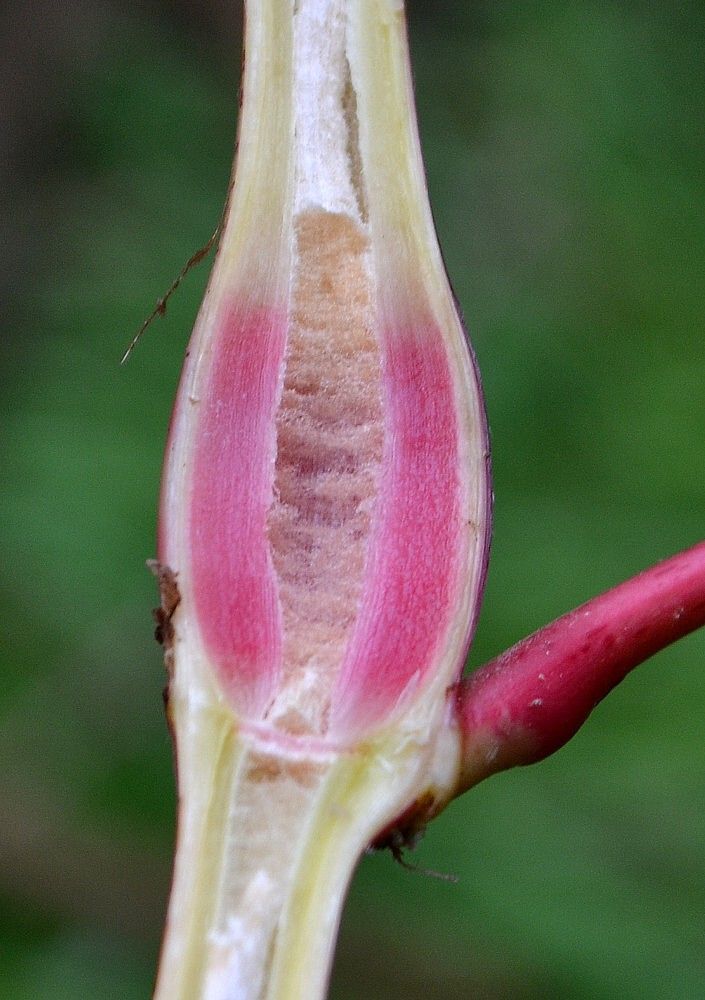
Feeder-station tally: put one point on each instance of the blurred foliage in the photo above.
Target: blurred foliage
(564, 146)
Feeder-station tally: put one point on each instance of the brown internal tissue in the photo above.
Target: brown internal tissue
(329, 449)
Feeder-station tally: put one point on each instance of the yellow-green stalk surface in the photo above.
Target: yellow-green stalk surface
(325, 511)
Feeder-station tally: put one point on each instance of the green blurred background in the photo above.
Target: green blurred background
(565, 147)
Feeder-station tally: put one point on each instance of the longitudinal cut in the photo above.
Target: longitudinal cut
(325, 507)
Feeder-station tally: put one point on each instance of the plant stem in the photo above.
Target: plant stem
(269, 834)
(325, 510)
(324, 525)
(528, 702)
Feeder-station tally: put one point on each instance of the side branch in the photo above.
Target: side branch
(528, 702)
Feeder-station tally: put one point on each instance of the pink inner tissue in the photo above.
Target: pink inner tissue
(325, 513)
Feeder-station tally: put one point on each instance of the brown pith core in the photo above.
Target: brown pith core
(329, 448)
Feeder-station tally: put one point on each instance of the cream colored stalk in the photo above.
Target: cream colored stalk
(325, 510)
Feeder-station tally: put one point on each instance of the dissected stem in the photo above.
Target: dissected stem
(325, 510)
(324, 525)
(269, 835)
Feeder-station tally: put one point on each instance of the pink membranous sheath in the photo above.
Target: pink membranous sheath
(328, 531)
(326, 498)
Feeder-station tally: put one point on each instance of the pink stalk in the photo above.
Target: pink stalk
(528, 702)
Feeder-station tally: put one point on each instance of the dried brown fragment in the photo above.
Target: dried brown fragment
(408, 828)
(170, 598)
(160, 307)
